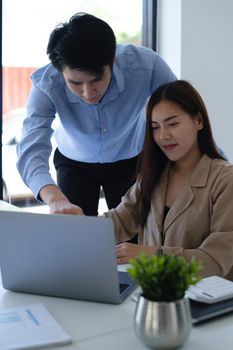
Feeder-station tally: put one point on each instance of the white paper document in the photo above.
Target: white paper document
(30, 327)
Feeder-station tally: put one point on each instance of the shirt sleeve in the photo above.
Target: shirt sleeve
(216, 251)
(161, 74)
(35, 146)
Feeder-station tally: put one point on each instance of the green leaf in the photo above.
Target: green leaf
(164, 278)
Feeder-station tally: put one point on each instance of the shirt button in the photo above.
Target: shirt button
(104, 130)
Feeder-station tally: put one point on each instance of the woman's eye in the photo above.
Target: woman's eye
(173, 124)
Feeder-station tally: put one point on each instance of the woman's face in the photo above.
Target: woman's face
(175, 131)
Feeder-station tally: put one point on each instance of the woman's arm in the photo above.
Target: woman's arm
(125, 215)
(216, 250)
(126, 251)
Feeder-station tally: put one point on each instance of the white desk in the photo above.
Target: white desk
(96, 326)
(103, 326)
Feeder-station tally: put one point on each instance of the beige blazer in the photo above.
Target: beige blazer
(199, 223)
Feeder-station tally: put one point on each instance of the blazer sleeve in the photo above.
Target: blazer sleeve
(125, 215)
(216, 251)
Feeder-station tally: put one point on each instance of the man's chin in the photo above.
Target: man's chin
(92, 101)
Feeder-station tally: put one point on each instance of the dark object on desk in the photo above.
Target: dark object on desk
(201, 312)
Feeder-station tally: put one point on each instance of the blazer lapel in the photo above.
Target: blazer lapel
(159, 196)
(186, 196)
(181, 203)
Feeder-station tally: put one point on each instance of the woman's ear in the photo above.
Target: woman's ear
(199, 121)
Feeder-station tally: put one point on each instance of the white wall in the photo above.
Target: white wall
(205, 56)
(169, 33)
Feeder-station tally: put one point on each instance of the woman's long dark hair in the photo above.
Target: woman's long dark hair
(152, 160)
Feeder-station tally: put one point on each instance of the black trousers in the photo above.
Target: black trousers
(81, 182)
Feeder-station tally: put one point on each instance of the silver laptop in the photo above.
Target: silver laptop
(61, 255)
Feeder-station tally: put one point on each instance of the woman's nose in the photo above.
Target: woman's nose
(164, 134)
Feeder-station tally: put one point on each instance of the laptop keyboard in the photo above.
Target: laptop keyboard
(123, 286)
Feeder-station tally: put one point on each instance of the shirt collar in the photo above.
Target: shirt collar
(119, 78)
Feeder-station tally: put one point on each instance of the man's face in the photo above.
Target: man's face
(89, 87)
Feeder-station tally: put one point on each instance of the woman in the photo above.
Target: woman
(183, 198)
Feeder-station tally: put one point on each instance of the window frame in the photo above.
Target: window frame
(1, 181)
(149, 24)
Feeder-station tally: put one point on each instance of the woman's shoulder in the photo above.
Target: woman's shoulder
(222, 169)
(222, 164)
(212, 171)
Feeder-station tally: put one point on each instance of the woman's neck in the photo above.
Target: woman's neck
(186, 166)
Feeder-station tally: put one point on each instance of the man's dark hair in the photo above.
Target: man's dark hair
(85, 43)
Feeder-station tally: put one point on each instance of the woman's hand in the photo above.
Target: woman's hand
(126, 251)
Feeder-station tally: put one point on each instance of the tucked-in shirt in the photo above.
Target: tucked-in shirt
(198, 224)
(105, 132)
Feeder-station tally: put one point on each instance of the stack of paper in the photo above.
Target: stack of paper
(30, 327)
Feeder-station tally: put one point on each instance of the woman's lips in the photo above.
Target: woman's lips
(169, 147)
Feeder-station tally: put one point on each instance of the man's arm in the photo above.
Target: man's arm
(162, 73)
(34, 148)
(58, 202)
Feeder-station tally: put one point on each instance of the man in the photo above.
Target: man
(99, 92)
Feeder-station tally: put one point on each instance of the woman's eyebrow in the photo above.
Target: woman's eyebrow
(166, 120)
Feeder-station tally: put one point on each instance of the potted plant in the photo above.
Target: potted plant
(162, 317)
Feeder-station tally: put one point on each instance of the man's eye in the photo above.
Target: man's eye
(97, 79)
(75, 83)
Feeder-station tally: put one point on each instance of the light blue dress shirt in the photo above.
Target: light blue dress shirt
(108, 131)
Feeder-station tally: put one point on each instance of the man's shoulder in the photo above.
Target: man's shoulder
(131, 48)
(46, 77)
(132, 56)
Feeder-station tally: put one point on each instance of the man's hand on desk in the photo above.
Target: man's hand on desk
(126, 251)
(65, 207)
(58, 202)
